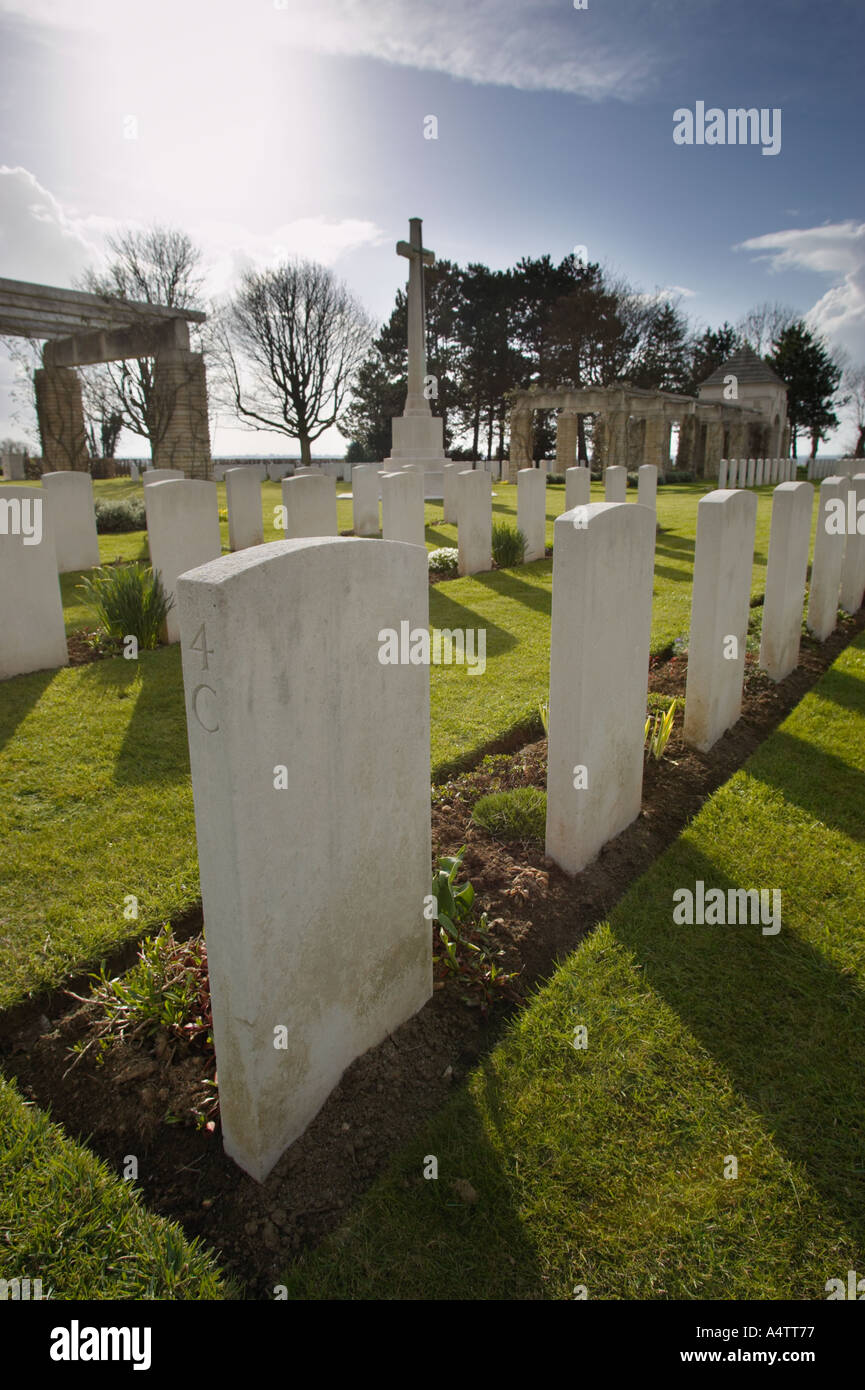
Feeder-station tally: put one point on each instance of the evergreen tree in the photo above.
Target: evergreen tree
(804, 364)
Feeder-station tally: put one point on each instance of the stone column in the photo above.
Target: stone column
(521, 443)
(656, 442)
(180, 387)
(636, 432)
(599, 441)
(687, 441)
(566, 440)
(61, 420)
(617, 438)
(714, 449)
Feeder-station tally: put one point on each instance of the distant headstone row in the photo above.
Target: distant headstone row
(755, 472)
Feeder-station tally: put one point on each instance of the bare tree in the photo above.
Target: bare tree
(853, 386)
(292, 339)
(159, 265)
(763, 324)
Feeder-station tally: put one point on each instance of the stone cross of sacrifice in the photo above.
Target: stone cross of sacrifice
(416, 402)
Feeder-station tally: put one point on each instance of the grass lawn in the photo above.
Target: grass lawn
(94, 773)
(67, 1220)
(605, 1167)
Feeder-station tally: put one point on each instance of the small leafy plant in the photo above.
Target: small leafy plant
(114, 517)
(128, 600)
(468, 950)
(657, 731)
(509, 545)
(445, 560)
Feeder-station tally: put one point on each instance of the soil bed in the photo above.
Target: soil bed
(141, 1099)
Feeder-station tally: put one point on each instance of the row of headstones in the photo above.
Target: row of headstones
(841, 468)
(755, 472)
(291, 788)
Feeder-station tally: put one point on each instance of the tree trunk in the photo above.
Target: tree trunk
(582, 450)
(305, 453)
(859, 451)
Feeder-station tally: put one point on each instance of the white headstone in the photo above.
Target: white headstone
(13, 467)
(277, 471)
(578, 488)
(720, 607)
(450, 473)
(789, 539)
(243, 494)
(749, 477)
(759, 473)
(616, 483)
(532, 511)
(722, 475)
(599, 664)
(162, 475)
(402, 511)
(69, 499)
(182, 532)
(365, 488)
(474, 535)
(310, 506)
(32, 633)
(317, 948)
(827, 562)
(647, 485)
(134, 472)
(853, 568)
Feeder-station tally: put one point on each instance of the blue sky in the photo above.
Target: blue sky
(268, 128)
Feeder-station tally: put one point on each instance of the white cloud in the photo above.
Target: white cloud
(40, 240)
(528, 44)
(231, 248)
(836, 250)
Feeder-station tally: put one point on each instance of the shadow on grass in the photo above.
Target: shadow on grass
(842, 688)
(419, 1240)
(776, 1015)
(154, 746)
(823, 785)
(19, 696)
(507, 583)
(447, 612)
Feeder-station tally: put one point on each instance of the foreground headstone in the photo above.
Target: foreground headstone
(182, 533)
(827, 562)
(310, 506)
(578, 488)
(317, 942)
(616, 483)
(161, 475)
(720, 607)
(475, 531)
(69, 500)
(402, 511)
(532, 511)
(32, 633)
(853, 568)
(647, 485)
(243, 494)
(450, 473)
(786, 569)
(365, 487)
(599, 664)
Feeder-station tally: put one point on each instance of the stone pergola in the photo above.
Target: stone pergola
(79, 329)
(632, 426)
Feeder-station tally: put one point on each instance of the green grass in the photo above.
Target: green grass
(67, 1220)
(604, 1166)
(94, 773)
(518, 814)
